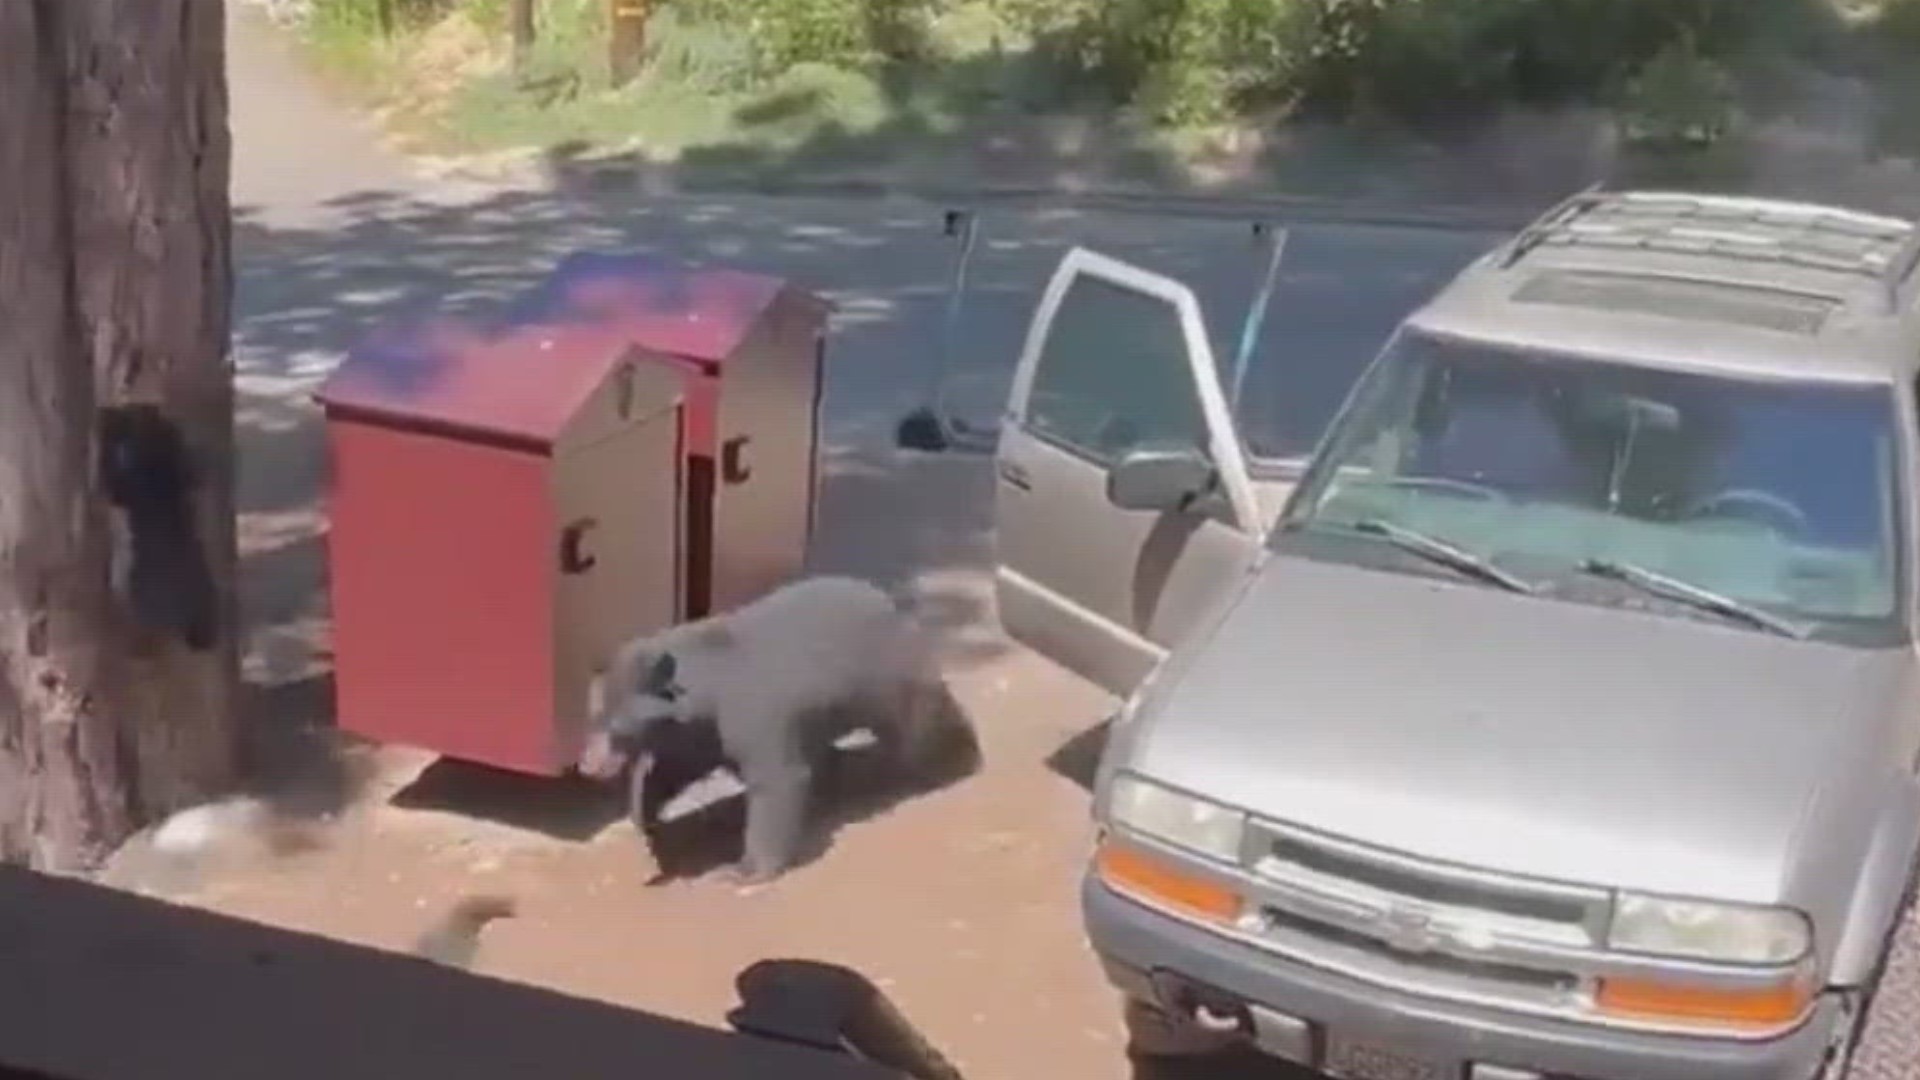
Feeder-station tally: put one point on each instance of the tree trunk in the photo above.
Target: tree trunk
(61, 758)
(114, 285)
(521, 18)
(626, 39)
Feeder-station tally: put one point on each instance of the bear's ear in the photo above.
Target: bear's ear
(659, 679)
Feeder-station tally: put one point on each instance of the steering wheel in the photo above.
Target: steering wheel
(1447, 484)
(1729, 503)
(1107, 430)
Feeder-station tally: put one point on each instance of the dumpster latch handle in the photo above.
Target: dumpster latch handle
(572, 559)
(623, 391)
(732, 470)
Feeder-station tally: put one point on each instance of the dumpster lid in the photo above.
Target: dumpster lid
(519, 383)
(522, 374)
(664, 306)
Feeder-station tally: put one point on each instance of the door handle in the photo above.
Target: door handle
(572, 559)
(1016, 474)
(732, 469)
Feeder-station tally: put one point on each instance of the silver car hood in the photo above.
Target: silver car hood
(1533, 736)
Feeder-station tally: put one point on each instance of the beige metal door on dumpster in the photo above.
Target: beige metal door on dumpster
(617, 493)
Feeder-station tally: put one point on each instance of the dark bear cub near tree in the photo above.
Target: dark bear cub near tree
(149, 477)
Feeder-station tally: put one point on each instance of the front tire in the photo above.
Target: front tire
(1885, 1041)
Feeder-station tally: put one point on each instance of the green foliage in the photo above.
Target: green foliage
(374, 18)
(491, 15)
(970, 29)
(1413, 58)
(1678, 99)
(1221, 56)
(791, 32)
(1408, 58)
(809, 98)
(846, 33)
(1183, 63)
(1898, 22)
(355, 38)
(1193, 61)
(697, 54)
(572, 34)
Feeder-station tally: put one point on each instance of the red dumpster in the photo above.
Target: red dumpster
(751, 348)
(631, 445)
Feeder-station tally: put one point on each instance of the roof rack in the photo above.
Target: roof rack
(1543, 227)
(1738, 228)
(1900, 267)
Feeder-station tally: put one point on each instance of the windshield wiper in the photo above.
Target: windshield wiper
(1703, 599)
(1452, 556)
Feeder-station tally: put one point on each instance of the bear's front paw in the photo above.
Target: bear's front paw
(746, 878)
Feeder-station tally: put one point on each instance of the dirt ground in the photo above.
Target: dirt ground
(960, 903)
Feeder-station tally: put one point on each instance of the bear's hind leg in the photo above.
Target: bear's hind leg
(778, 801)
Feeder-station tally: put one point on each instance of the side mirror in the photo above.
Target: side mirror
(1159, 478)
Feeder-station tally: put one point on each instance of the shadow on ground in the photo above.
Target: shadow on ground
(564, 808)
(291, 752)
(861, 784)
(1239, 1065)
(1078, 759)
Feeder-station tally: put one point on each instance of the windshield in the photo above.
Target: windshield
(1775, 495)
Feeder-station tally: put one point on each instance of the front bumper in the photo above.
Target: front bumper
(1292, 1005)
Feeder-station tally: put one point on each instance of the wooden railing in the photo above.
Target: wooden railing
(97, 984)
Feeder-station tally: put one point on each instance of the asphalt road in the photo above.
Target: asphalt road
(337, 233)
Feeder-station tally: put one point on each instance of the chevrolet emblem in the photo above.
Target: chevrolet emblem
(1408, 929)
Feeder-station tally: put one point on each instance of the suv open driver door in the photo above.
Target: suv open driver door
(1122, 501)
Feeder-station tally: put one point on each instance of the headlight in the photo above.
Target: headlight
(1720, 933)
(1174, 818)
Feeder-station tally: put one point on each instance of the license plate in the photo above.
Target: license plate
(1348, 1060)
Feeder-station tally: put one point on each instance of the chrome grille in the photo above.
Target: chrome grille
(1439, 930)
(1484, 934)
(1458, 892)
(1532, 979)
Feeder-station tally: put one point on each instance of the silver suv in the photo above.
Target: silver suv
(1560, 718)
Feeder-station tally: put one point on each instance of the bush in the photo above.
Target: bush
(809, 98)
(374, 18)
(1899, 23)
(1182, 61)
(705, 56)
(358, 39)
(1416, 58)
(1678, 100)
(1199, 60)
(1407, 58)
(1226, 56)
(843, 33)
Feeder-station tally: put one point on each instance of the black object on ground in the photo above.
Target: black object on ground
(830, 1007)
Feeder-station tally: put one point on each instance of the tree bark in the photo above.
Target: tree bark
(522, 27)
(626, 39)
(114, 289)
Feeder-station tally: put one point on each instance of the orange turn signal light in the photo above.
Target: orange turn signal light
(1130, 870)
(1766, 1007)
